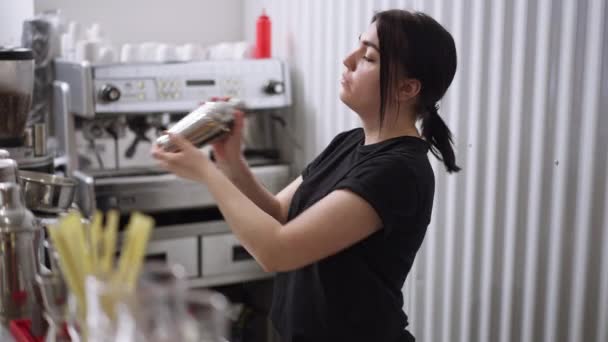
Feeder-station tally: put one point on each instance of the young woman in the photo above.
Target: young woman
(342, 237)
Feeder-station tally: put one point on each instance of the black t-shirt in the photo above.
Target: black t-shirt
(355, 295)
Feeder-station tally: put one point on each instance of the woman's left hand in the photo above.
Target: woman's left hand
(188, 162)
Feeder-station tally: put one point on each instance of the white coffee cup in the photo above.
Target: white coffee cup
(129, 53)
(147, 51)
(190, 52)
(87, 50)
(166, 53)
(107, 55)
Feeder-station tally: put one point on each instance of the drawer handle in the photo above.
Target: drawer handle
(239, 253)
(157, 257)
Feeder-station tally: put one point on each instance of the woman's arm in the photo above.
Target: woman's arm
(231, 162)
(336, 222)
(277, 206)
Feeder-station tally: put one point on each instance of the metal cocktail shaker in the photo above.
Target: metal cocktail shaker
(205, 124)
(20, 236)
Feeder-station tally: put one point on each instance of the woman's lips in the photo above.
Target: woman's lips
(344, 80)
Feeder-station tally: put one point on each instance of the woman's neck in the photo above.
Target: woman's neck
(403, 125)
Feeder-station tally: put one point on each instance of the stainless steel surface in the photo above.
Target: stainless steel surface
(24, 156)
(8, 171)
(16, 87)
(176, 251)
(259, 131)
(19, 238)
(47, 193)
(177, 231)
(229, 278)
(64, 126)
(10, 200)
(203, 125)
(122, 140)
(223, 254)
(160, 192)
(54, 294)
(173, 87)
(28, 137)
(40, 137)
(79, 77)
(39, 325)
(85, 193)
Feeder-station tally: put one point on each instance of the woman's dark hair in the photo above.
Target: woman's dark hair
(414, 45)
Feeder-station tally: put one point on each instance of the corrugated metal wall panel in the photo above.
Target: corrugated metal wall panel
(516, 249)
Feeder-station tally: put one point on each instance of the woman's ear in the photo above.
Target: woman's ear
(408, 89)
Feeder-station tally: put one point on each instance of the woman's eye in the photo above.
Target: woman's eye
(367, 59)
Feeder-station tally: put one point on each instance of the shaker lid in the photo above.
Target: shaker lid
(10, 196)
(15, 54)
(8, 170)
(14, 216)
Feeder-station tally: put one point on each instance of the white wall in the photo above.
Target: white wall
(516, 250)
(174, 21)
(12, 14)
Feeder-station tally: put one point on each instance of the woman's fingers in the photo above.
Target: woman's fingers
(239, 122)
(164, 165)
(161, 155)
(180, 142)
(157, 152)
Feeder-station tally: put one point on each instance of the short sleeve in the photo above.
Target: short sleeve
(388, 184)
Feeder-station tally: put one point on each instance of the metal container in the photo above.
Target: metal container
(16, 88)
(47, 193)
(8, 171)
(54, 294)
(19, 238)
(204, 125)
(39, 139)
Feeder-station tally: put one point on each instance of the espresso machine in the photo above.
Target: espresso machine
(106, 118)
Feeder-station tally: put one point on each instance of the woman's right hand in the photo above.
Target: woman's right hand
(227, 150)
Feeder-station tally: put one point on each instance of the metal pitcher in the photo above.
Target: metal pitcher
(19, 237)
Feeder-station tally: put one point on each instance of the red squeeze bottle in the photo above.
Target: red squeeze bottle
(262, 36)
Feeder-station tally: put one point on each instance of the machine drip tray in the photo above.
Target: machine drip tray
(128, 172)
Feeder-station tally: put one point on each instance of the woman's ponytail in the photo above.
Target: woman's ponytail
(439, 136)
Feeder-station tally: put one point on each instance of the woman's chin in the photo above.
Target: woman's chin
(346, 99)
(343, 97)
(344, 94)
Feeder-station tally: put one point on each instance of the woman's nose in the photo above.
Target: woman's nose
(349, 62)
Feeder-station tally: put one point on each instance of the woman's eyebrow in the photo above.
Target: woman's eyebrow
(370, 44)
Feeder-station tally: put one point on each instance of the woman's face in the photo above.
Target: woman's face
(360, 84)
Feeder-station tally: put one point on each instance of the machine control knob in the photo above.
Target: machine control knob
(109, 93)
(274, 87)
